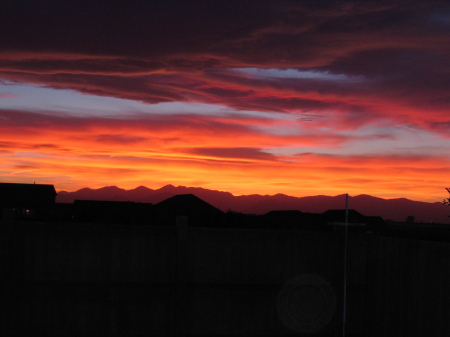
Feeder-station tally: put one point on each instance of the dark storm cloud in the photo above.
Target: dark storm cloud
(137, 28)
(262, 32)
(163, 51)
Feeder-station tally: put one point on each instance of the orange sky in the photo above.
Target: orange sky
(282, 97)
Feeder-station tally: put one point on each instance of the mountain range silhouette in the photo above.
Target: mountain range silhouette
(390, 209)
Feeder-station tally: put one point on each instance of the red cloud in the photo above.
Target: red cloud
(374, 65)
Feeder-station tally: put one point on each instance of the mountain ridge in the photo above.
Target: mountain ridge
(393, 209)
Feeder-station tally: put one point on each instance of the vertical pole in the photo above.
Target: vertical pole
(346, 209)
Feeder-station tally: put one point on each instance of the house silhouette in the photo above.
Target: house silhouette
(199, 212)
(98, 211)
(27, 201)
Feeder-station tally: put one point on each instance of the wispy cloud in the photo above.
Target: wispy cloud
(270, 79)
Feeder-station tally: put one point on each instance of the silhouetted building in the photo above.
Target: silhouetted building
(27, 201)
(124, 212)
(359, 221)
(338, 215)
(293, 219)
(199, 212)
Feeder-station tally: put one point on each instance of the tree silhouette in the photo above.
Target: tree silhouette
(410, 219)
(447, 201)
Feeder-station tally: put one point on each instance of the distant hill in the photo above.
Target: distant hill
(393, 209)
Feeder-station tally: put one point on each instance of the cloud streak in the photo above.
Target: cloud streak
(287, 77)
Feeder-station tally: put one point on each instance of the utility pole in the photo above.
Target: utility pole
(342, 246)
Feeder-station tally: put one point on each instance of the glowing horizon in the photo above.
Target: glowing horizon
(298, 102)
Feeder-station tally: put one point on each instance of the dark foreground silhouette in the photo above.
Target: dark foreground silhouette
(182, 267)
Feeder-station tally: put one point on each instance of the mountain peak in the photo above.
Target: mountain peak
(140, 189)
(167, 187)
(110, 188)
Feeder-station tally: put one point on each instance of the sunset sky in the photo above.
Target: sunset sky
(294, 97)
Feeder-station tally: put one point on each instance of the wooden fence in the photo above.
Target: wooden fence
(178, 280)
